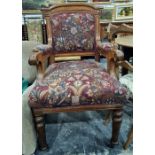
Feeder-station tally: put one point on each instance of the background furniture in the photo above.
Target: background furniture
(31, 11)
(127, 80)
(122, 35)
(29, 74)
(126, 41)
(72, 18)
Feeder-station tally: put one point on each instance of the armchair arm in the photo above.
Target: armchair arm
(106, 47)
(40, 54)
(108, 51)
(33, 59)
(43, 48)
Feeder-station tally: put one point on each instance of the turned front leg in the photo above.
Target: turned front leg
(116, 124)
(40, 127)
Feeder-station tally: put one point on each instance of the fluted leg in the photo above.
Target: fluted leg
(40, 127)
(117, 119)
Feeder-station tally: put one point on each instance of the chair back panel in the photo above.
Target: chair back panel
(72, 28)
(73, 32)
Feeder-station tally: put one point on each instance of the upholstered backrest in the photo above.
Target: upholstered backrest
(73, 32)
(72, 28)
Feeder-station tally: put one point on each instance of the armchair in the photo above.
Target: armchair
(73, 30)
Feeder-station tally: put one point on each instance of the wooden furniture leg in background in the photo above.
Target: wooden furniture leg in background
(129, 139)
(107, 118)
(116, 124)
(40, 128)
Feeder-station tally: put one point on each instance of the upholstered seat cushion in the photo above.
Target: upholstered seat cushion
(76, 83)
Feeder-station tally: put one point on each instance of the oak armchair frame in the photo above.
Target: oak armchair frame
(39, 58)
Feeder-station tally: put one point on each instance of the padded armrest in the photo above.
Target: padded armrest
(106, 49)
(40, 51)
(39, 59)
(108, 46)
(40, 54)
(43, 48)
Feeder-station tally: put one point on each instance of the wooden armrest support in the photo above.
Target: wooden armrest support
(110, 54)
(40, 53)
(38, 58)
(33, 59)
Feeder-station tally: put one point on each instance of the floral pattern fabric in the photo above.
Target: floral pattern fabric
(72, 32)
(76, 83)
(108, 46)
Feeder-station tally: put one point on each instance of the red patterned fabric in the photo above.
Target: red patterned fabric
(107, 46)
(73, 32)
(76, 83)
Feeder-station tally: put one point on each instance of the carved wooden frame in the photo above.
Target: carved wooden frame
(38, 58)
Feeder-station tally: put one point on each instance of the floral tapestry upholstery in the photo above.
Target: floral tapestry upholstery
(108, 46)
(76, 83)
(73, 32)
